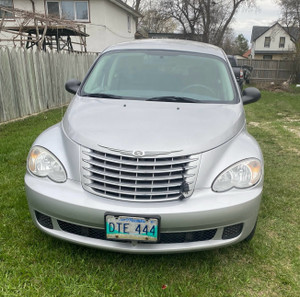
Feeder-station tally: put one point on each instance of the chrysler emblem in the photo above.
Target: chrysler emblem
(138, 153)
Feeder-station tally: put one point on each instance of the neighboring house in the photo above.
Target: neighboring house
(247, 54)
(106, 22)
(273, 43)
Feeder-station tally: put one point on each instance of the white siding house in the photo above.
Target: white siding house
(273, 43)
(106, 21)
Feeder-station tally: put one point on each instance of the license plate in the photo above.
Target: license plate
(131, 228)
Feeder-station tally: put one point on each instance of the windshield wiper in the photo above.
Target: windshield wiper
(174, 99)
(102, 95)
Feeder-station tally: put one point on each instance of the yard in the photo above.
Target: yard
(34, 264)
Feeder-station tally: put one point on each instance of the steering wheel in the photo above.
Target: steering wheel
(199, 87)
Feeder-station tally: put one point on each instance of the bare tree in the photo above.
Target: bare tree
(290, 11)
(210, 18)
(154, 19)
(228, 44)
(186, 13)
(135, 4)
(39, 45)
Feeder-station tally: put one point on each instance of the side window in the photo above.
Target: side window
(6, 3)
(267, 41)
(282, 42)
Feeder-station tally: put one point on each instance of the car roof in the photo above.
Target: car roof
(169, 44)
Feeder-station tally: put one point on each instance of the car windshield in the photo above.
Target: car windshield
(160, 76)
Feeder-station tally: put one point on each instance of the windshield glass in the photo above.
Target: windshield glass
(160, 76)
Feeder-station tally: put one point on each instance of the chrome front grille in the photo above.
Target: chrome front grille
(117, 176)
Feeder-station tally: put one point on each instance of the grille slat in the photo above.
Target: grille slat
(143, 178)
(141, 192)
(140, 161)
(135, 184)
(159, 178)
(138, 169)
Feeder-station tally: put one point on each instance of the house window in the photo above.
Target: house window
(53, 8)
(282, 42)
(129, 23)
(70, 10)
(267, 57)
(267, 41)
(81, 9)
(6, 3)
(67, 10)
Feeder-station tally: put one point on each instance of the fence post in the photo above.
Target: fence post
(277, 70)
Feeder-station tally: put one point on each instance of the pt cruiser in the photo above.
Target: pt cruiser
(152, 155)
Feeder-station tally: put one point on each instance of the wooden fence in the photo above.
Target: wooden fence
(31, 82)
(266, 71)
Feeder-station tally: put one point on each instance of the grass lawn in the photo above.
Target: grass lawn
(34, 264)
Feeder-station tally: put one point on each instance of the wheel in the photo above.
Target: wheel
(198, 87)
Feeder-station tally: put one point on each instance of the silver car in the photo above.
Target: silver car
(152, 155)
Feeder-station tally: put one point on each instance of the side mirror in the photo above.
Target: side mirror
(72, 86)
(250, 95)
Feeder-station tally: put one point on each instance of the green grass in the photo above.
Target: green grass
(34, 264)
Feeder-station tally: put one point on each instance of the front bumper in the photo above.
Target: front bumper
(205, 220)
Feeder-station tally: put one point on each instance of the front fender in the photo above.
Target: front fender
(215, 161)
(67, 151)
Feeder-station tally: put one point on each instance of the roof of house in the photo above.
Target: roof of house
(247, 54)
(126, 7)
(257, 31)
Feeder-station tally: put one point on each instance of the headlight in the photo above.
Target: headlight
(243, 174)
(42, 163)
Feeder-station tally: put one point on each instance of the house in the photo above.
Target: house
(247, 54)
(273, 43)
(90, 24)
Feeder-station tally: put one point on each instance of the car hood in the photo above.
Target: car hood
(133, 125)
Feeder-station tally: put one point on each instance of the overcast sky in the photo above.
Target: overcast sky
(266, 13)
